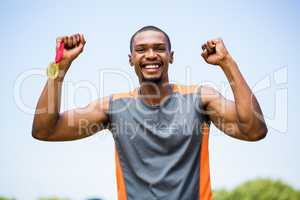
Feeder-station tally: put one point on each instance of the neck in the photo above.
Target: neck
(154, 93)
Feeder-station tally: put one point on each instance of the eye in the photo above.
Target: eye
(161, 48)
(139, 49)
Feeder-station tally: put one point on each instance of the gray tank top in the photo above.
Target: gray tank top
(161, 150)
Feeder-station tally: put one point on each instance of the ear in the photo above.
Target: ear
(130, 59)
(171, 57)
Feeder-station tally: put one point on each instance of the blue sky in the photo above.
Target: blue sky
(262, 36)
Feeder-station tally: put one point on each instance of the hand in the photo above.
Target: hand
(73, 46)
(215, 52)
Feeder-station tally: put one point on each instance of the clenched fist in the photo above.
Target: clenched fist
(73, 46)
(214, 52)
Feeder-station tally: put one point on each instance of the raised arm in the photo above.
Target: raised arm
(241, 118)
(51, 125)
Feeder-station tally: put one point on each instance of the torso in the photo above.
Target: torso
(158, 148)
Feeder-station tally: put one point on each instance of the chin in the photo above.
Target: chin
(152, 79)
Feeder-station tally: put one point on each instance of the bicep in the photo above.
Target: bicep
(81, 122)
(222, 112)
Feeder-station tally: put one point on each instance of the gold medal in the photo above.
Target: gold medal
(53, 70)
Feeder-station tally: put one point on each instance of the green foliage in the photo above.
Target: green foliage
(259, 189)
(221, 195)
(4, 198)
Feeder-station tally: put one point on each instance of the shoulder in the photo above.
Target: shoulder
(185, 89)
(204, 90)
(208, 94)
(99, 105)
(122, 95)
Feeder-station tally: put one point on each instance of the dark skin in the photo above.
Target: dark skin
(150, 58)
(241, 118)
(151, 48)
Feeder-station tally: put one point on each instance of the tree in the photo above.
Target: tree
(259, 189)
(4, 198)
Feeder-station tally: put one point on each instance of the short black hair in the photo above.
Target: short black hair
(149, 28)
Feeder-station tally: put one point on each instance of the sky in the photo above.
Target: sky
(262, 36)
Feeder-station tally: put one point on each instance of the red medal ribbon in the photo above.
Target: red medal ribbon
(60, 52)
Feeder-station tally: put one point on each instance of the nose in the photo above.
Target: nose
(150, 54)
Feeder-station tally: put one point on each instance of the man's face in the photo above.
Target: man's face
(151, 56)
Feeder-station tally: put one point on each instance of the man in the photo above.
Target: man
(160, 129)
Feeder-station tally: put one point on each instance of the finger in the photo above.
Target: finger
(209, 49)
(70, 41)
(211, 44)
(203, 47)
(218, 42)
(83, 39)
(74, 42)
(77, 39)
(81, 42)
(66, 41)
(204, 54)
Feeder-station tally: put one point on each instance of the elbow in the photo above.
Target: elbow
(39, 135)
(258, 134)
(261, 134)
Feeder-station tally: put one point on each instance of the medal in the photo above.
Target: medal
(53, 67)
(53, 70)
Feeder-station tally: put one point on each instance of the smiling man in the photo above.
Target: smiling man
(160, 129)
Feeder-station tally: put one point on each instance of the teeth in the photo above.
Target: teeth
(151, 66)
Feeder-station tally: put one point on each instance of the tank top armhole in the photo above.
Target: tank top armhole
(109, 113)
(201, 110)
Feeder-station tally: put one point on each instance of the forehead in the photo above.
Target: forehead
(149, 37)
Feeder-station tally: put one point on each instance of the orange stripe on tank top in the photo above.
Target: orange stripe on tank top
(204, 180)
(120, 178)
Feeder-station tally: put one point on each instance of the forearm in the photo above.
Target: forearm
(247, 107)
(48, 107)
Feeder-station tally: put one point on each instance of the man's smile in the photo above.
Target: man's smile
(151, 67)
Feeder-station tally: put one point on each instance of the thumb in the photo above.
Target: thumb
(75, 52)
(81, 44)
